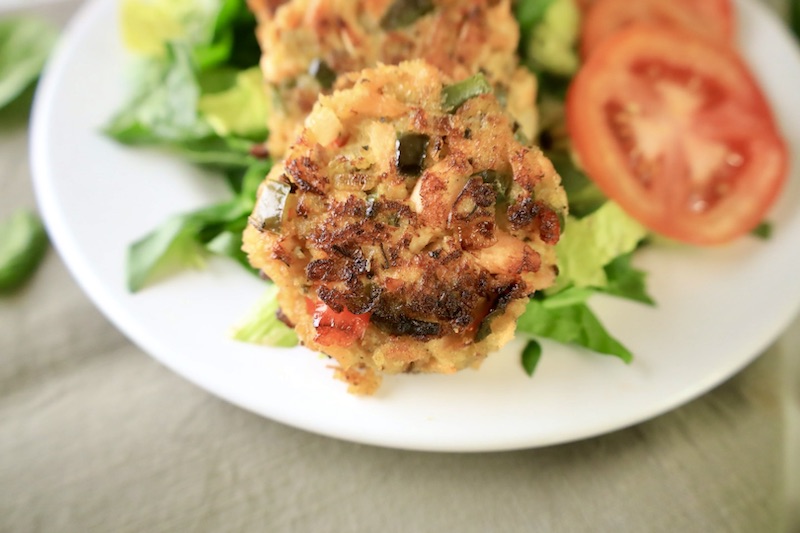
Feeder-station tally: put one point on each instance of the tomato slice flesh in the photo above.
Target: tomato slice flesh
(336, 328)
(674, 128)
(710, 18)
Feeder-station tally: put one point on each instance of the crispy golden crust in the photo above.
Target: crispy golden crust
(460, 37)
(427, 258)
(264, 9)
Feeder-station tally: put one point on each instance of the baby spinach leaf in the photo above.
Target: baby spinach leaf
(179, 243)
(23, 243)
(166, 109)
(25, 44)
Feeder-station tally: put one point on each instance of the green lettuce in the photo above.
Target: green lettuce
(241, 109)
(165, 110)
(550, 43)
(147, 26)
(592, 242)
(595, 255)
(262, 326)
(573, 324)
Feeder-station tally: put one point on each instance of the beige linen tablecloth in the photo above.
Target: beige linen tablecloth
(97, 436)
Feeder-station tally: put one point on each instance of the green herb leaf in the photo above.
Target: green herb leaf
(574, 324)
(763, 231)
(568, 297)
(261, 325)
(25, 44)
(182, 241)
(229, 244)
(179, 243)
(531, 355)
(23, 242)
(625, 281)
(166, 108)
(454, 96)
(240, 110)
(227, 153)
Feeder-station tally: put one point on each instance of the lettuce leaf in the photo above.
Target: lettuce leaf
(240, 110)
(595, 255)
(261, 325)
(147, 26)
(592, 242)
(573, 324)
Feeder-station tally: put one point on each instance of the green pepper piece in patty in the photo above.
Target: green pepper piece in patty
(454, 96)
(323, 73)
(411, 150)
(501, 183)
(268, 214)
(404, 12)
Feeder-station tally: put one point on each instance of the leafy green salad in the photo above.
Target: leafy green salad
(200, 96)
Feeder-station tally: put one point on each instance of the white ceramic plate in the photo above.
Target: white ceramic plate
(718, 309)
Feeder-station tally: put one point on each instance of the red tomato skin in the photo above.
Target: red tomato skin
(604, 18)
(336, 329)
(602, 157)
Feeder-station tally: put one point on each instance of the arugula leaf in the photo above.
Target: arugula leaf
(261, 325)
(574, 324)
(531, 355)
(25, 44)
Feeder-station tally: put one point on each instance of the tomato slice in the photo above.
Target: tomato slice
(336, 328)
(674, 128)
(710, 18)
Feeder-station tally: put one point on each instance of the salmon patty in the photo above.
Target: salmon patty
(407, 227)
(307, 44)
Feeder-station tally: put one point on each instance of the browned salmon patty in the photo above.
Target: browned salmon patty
(307, 44)
(405, 232)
